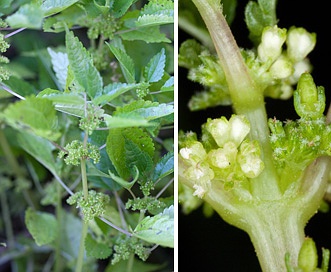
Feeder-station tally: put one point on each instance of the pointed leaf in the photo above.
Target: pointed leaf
(42, 226)
(60, 64)
(113, 90)
(70, 103)
(81, 64)
(168, 86)
(117, 152)
(154, 20)
(149, 34)
(158, 229)
(155, 68)
(124, 122)
(126, 63)
(142, 109)
(164, 167)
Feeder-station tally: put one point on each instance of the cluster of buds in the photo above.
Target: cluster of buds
(280, 67)
(224, 155)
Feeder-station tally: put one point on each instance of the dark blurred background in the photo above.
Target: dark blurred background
(210, 244)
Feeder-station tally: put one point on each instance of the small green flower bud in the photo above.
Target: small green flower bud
(308, 258)
(299, 43)
(271, 44)
(309, 100)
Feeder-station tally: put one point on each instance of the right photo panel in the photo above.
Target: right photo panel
(254, 136)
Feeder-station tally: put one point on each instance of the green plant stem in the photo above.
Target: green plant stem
(84, 178)
(80, 258)
(58, 259)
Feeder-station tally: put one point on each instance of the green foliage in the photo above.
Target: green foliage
(157, 229)
(41, 225)
(86, 93)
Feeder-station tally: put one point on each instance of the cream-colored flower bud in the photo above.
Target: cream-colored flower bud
(271, 44)
(299, 43)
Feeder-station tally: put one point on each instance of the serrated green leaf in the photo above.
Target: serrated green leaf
(126, 62)
(50, 7)
(42, 226)
(124, 122)
(96, 249)
(154, 70)
(60, 64)
(136, 157)
(158, 229)
(154, 20)
(144, 110)
(149, 34)
(165, 7)
(120, 7)
(28, 15)
(34, 114)
(164, 167)
(113, 90)
(81, 65)
(70, 103)
(116, 148)
(168, 86)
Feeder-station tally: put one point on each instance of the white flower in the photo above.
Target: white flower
(299, 43)
(271, 44)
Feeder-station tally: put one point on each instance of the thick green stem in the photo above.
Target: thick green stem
(275, 231)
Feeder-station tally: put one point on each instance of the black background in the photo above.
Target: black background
(210, 244)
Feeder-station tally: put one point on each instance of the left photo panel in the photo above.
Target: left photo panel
(87, 110)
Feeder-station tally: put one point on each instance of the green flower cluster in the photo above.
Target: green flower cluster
(92, 119)
(278, 69)
(297, 143)
(104, 25)
(148, 203)
(76, 151)
(224, 154)
(95, 205)
(125, 246)
(4, 74)
(276, 65)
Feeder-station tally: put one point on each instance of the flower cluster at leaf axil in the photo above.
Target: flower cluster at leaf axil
(276, 65)
(224, 154)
